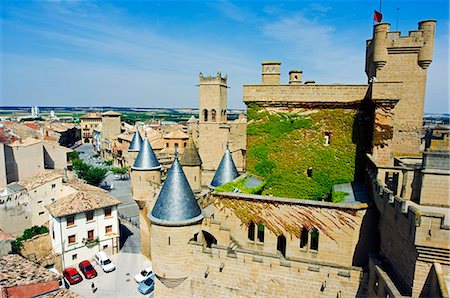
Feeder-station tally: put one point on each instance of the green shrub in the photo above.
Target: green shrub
(28, 234)
(73, 155)
(120, 171)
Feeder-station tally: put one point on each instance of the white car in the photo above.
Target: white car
(143, 275)
(102, 259)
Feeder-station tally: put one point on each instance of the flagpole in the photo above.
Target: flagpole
(398, 10)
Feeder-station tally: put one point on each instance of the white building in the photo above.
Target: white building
(82, 224)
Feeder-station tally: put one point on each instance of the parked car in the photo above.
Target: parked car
(72, 276)
(147, 285)
(102, 259)
(87, 269)
(141, 276)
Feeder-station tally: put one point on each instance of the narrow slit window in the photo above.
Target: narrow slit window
(314, 240)
(260, 232)
(251, 231)
(303, 238)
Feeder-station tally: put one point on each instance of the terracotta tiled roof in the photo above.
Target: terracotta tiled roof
(91, 115)
(32, 125)
(81, 201)
(16, 270)
(25, 142)
(81, 186)
(62, 293)
(41, 178)
(5, 236)
(190, 155)
(111, 113)
(177, 134)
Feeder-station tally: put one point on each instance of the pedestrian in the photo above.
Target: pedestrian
(94, 289)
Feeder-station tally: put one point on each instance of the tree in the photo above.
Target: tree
(119, 171)
(95, 175)
(73, 155)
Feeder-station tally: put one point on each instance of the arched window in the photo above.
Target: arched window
(213, 115)
(273, 69)
(205, 115)
(303, 238)
(251, 231)
(314, 240)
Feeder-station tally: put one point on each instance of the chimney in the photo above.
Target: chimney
(295, 76)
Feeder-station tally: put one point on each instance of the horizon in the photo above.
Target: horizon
(60, 53)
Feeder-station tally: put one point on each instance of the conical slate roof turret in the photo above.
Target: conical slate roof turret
(176, 204)
(146, 159)
(136, 142)
(190, 156)
(226, 172)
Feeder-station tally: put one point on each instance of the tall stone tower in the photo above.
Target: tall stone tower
(175, 219)
(145, 184)
(135, 147)
(213, 129)
(397, 70)
(111, 126)
(192, 166)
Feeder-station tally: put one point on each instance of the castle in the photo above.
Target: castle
(386, 235)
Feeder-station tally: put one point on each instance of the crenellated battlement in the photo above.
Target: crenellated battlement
(213, 79)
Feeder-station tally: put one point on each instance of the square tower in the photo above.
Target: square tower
(271, 72)
(213, 98)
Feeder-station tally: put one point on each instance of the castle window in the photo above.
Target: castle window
(309, 172)
(205, 115)
(251, 231)
(304, 238)
(260, 232)
(314, 240)
(267, 69)
(169, 240)
(167, 145)
(176, 146)
(327, 138)
(184, 144)
(273, 69)
(213, 115)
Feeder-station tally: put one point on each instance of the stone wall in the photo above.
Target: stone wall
(287, 94)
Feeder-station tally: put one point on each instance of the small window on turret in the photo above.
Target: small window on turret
(314, 240)
(251, 231)
(327, 138)
(169, 240)
(303, 238)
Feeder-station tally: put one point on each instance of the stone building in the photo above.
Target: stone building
(111, 128)
(388, 237)
(89, 123)
(26, 158)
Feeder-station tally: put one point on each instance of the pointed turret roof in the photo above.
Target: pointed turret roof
(192, 119)
(176, 204)
(190, 155)
(146, 159)
(136, 142)
(226, 172)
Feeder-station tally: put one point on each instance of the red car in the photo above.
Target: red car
(87, 269)
(72, 275)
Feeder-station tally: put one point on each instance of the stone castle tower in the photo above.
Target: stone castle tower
(175, 220)
(214, 131)
(397, 68)
(145, 184)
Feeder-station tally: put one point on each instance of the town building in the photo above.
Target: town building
(28, 157)
(83, 223)
(89, 123)
(5, 243)
(382, 232)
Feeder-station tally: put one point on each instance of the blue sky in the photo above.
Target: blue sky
(150, 53)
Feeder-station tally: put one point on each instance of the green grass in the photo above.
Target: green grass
(281, 147)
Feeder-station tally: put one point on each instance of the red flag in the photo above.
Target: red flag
(377, 16)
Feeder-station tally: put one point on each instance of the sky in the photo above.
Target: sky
(150, 53)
